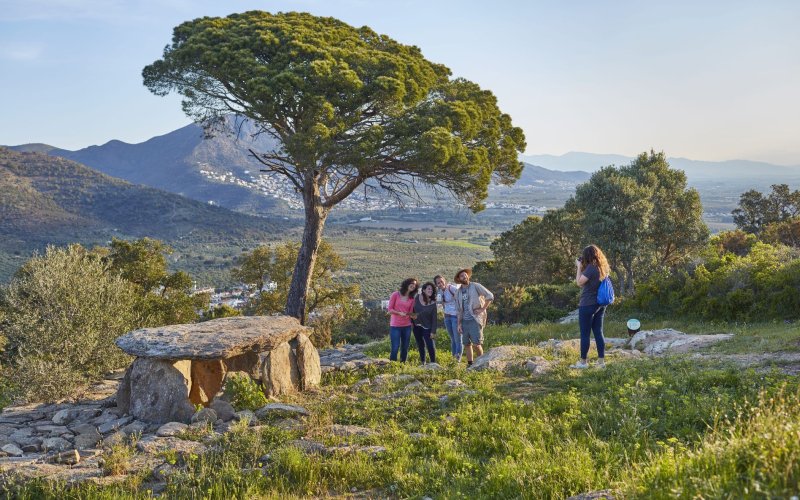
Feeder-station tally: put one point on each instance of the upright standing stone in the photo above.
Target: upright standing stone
(307, 362)
(159, 390)
(207, 377)
(279, 372)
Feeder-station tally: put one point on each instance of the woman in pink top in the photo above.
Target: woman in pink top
(401, 311)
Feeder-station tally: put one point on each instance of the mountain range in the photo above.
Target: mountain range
(51, 200)
(696, 170)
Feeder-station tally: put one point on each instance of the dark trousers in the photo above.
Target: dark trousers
(424, 339)
(590, 319)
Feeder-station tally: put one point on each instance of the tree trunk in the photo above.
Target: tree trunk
(316, 215)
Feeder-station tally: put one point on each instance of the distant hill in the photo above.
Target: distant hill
(696, 170)
(51, 200)
(185, 163)
(534, 174)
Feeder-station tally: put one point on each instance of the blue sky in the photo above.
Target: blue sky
(709, 80)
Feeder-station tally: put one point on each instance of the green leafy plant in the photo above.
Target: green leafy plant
(244, 393)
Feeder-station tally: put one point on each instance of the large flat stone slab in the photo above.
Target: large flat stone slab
(221, 338)
(669, 341)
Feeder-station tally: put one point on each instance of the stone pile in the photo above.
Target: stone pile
(180, 366)
(347, 358)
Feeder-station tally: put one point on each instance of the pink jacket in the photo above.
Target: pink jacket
(399, 303)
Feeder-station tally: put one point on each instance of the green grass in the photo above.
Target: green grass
(650, 428)
(462, 244)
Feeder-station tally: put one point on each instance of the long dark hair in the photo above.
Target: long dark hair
(405, 284)
(424, 298)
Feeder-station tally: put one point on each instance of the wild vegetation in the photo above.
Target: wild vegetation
(651, 428)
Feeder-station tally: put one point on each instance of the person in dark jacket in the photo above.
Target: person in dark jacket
(592, 268)
(425, 321)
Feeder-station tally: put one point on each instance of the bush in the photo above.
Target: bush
(244, 393)
(516, 304)
(367, 325)
(762, 284)
(63, 311)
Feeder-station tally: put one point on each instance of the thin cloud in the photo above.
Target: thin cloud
(21, 52)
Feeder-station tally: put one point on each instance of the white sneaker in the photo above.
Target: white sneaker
(580, 365)
(601, 363)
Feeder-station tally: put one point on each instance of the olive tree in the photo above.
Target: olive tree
(346, 106)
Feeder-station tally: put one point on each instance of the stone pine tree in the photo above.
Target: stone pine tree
(347, 105)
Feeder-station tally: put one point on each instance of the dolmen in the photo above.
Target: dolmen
(178, 367)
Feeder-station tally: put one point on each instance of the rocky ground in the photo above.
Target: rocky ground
(74, 441)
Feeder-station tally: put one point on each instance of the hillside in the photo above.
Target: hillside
(182, 162)
(50, 200)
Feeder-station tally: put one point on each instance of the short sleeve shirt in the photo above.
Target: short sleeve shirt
(589, 290)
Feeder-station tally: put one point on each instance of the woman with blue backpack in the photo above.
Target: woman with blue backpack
(596, 293)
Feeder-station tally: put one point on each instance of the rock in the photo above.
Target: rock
(159, 390)
(432, 366)
(63, 417)
(224, 409)
(502, 358)
(453, 383)
(351, 430)
(87, 441)
(31, 448)
(360, 384)
(56, 444)
(51, 430)
(171, 429)
(279, 372)
(114, 439)
(307, 362)
(83, 428)
(113, 425)
(207, 380)
(217, 339)
(205, 416)
(572, 317)
(124, 392)
(594, 495)
(153, 445)
(308, 446)
(625, 353)
(245, 415)
(537, 365)
(71, 457)
(135, 427)
(281, 410)
(349, 449)
(12, 449)
(616, 342)
(248, 363)
(669, 341)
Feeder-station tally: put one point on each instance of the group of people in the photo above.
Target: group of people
(414, 309)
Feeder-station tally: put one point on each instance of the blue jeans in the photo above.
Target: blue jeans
(451, 325)
(590, 319)
(424, 339)
(400, 337)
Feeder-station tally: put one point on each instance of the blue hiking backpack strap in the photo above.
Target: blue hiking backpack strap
(605, 292)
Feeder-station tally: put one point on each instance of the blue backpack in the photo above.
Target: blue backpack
(605, 292)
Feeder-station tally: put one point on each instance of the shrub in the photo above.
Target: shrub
(244, 393)
(63, 311)
(516, 304)
(366, 325)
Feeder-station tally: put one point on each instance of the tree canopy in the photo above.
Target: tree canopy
(346, 105)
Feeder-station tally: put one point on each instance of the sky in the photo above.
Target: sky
(707, 80)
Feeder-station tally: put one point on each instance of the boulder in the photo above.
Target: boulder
(537, 365)
(12, 449)
(307, 362)
(279, 372)
(503, 358)
(171, 429)
(205, 416)
(224, 409)
(56, 444)
(217, 339)
(159, 390)
(669, 341)
(281, 410)
(88, 440)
